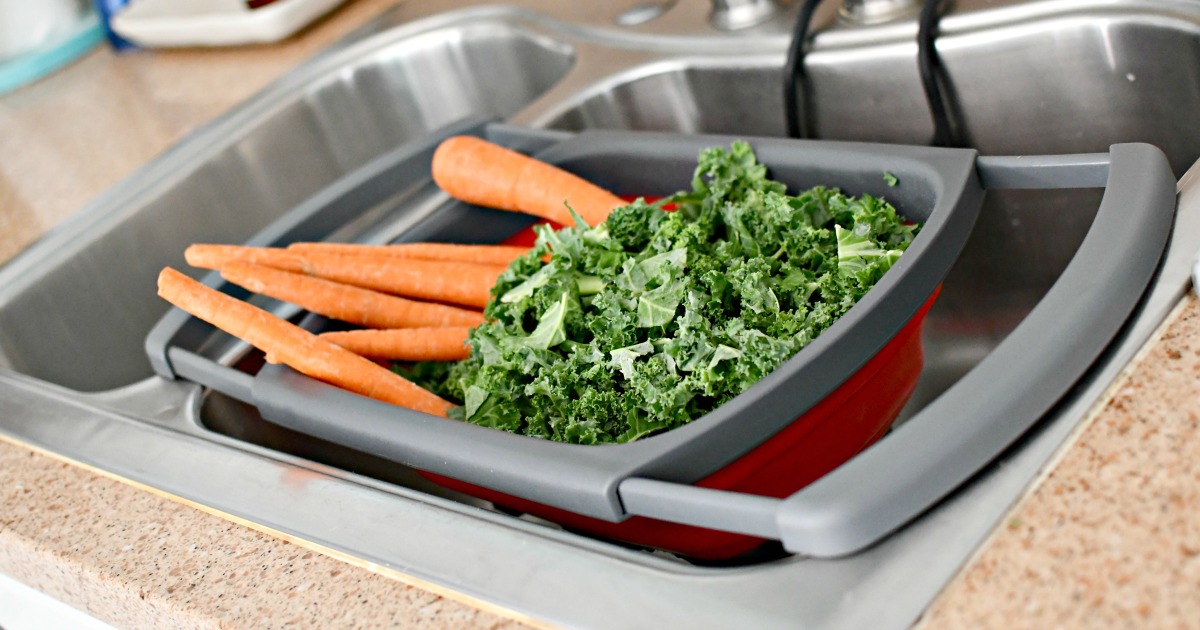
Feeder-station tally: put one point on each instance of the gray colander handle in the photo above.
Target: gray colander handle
(995, 403)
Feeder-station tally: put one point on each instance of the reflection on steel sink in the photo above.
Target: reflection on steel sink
(245, 170)
(78, 383)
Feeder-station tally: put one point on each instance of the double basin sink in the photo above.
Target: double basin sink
(1024, 78)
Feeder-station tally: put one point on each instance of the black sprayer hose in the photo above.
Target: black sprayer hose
(944, 132)
(799, 122)
(794, 77)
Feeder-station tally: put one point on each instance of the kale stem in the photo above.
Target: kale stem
(589, 285)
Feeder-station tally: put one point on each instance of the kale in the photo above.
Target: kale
(652, 319)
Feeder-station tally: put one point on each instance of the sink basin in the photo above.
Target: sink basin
(78, 383)
(1022, 240)
(245, 171)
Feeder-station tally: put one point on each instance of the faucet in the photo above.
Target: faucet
(875, 11)
(734, 14)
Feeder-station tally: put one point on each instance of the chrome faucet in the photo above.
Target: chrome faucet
(735, 14)
(875, 11)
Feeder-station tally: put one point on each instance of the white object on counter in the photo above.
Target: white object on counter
(28, 24)
(184, 23)
(37, 39)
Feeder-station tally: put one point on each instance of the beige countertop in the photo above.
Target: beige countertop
(1108, 537)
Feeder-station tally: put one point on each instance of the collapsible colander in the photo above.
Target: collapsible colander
(748, 470)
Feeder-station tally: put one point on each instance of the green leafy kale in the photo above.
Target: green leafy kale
(654, 318)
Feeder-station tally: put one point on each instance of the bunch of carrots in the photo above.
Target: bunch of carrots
(414, 301)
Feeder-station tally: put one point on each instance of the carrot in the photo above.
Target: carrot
(405, 344)
(289, 344)
(214, 256)
(464, 284)
(476, 171)
(344, 302)
(480, 254)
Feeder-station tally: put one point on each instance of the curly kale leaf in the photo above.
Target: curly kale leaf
(636, 326)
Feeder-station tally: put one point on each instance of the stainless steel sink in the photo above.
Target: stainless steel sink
(234, 177)
(1027, 78)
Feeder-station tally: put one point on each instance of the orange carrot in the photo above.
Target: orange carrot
(480, 254)
(214, 256)
(405, 344)
(476, 171)
(464, 284)
(345, 302)
(289, 344)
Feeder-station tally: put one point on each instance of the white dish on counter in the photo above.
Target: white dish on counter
(185, 23)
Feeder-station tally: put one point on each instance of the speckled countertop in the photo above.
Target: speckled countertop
(1108, 537)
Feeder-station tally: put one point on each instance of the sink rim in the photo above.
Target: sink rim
(1163, 295)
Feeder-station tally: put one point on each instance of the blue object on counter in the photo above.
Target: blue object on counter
(46, 58)
(107, 9)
